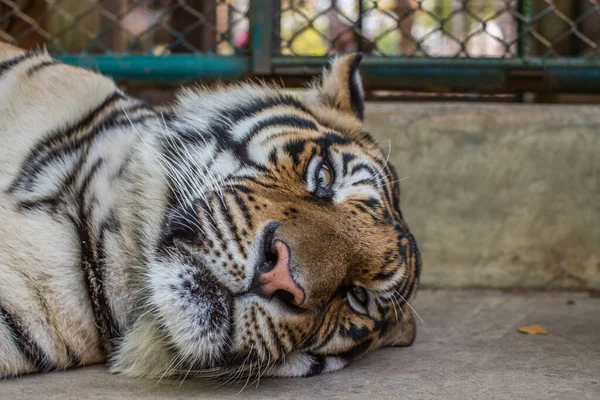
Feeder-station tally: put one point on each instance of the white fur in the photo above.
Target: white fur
(128, 179)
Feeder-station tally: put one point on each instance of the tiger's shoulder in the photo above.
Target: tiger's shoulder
(34, 84)
(27, 65)
(40, 95)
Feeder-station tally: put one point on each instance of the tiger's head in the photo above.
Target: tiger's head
(283, 250)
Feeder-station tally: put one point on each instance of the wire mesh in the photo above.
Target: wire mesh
(158, 27)
(410, 28)
(440, 28)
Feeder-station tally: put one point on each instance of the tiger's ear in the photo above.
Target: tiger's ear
(341, 87)
(403, 335)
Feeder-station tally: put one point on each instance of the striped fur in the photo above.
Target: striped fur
(132, 235)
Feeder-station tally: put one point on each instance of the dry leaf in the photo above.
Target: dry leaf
(533, 330)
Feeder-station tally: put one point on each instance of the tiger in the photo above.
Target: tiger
(241, 230)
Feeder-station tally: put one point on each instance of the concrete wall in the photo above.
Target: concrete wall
(498, 195)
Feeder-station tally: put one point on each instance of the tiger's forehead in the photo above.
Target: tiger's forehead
(258, 121)
(246, 110)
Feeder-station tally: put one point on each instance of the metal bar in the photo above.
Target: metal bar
(577, 75)
(261, 35)
(569, 74)
(318, 62)
(276, 30)
(176, 67)
(524, 46)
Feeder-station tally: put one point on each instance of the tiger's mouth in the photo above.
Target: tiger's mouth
(273, 278)
(199, 311)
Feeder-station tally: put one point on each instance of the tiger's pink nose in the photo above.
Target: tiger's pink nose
(277, 278)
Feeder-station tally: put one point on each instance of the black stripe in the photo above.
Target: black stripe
(367, 181)
(273, 336)
(182, 222)
(368, 211)
(362, 166)
(55, 137)
(356, 94)
(40, 66)
(25, 343)
(382, 309)
(395, 189)
(241, 188)
(410, 289)
(263, 184)
(258, 105)
(392, 204)
(317, 366)
(58, 143)
(354, 332)
(244, 208)
(292, 121)
(221, 130)
(32, 168)
(52, 202)
(356, 351)
(346, 159)
(328, 336)
(291, 335)
(370, 202)
(294, 149)
(376, 173)
(110, 224)
(336, 138)
(208, 214)
(403, 258)
(382, 275)
(6, 65)
(327, 326)
(91, 253)
(391, 190)
(232, 227)
(414, 272)
(49, 204)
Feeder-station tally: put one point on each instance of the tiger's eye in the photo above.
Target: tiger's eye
(360, 294)
(325, 177)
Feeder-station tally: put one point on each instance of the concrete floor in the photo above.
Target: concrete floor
(469, 349)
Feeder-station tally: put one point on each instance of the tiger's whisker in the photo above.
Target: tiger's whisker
(412, 308)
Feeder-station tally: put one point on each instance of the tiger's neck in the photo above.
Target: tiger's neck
(83, 174)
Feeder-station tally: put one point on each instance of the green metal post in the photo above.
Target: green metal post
(485, 75)
(524, 46)
(261, 35)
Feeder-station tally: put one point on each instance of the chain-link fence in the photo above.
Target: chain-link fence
(439, 45)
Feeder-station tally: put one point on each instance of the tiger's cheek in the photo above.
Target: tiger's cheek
(268, 330)
(344, 333)
(232, 242)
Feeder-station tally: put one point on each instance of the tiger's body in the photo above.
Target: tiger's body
(190, 238)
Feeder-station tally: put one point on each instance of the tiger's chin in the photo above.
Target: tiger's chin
(187, 328)
(184, 325)
(146, 353)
